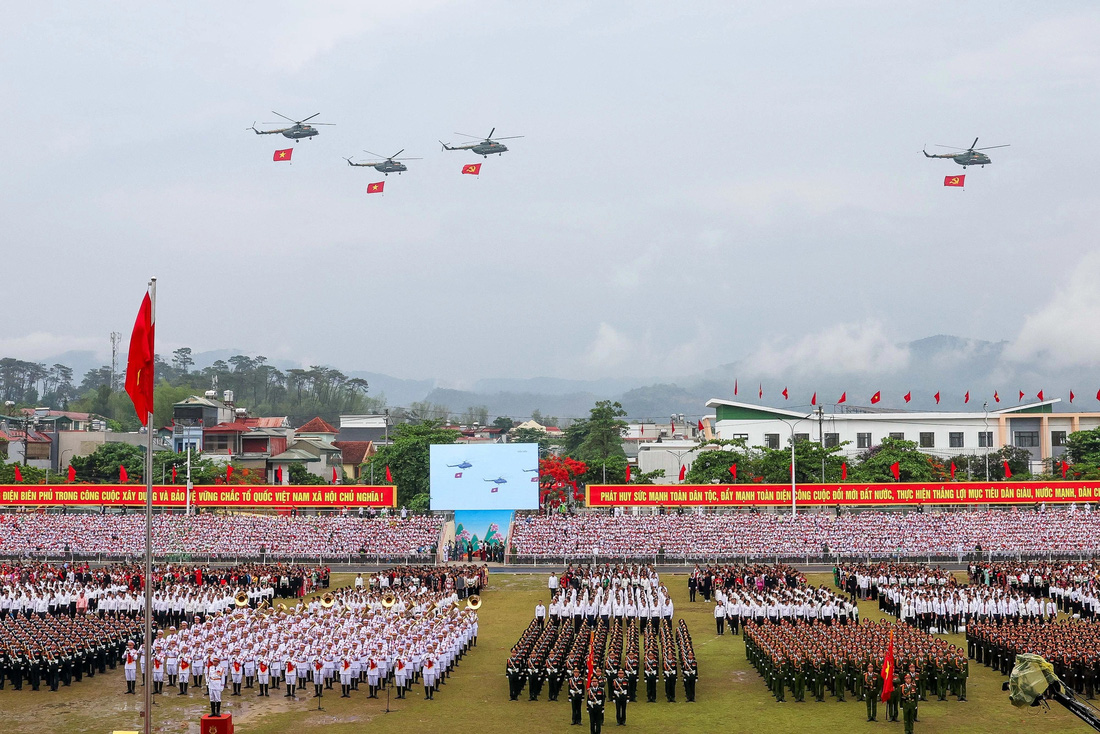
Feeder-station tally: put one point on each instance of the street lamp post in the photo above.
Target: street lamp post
(988, 441)
(794, 484)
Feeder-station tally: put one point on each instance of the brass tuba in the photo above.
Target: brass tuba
(241, 598)
(389, 599)
(474, 602)
(328, 599)
(280, 607)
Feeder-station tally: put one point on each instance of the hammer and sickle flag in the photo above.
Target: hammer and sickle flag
(376, 188)
(284, 154)
(473, 169)
(139, 362)
(954, 180)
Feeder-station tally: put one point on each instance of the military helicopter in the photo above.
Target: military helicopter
(463, 465)
(296, 131)
(485, 148)
(389, 165)
(968, 157)
(498, 481)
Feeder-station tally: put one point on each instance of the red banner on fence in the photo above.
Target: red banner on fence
(244, 495)
(911, 493)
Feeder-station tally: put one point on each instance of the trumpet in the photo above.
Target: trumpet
(389, 599)
(241, 599)
(328, 599)
(474, 602)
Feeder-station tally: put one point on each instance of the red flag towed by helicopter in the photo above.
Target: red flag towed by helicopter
(376, 188)
(283, 155)
(473, 169)
(954, 180)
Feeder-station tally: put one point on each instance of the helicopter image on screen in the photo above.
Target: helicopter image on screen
(295, 132)
(485, 148)
(389, 165)
(968, 156)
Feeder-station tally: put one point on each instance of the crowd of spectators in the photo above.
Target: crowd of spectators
(872, 533)
(40, 534)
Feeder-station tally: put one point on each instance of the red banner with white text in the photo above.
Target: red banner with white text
(244, 495)
(905, 493)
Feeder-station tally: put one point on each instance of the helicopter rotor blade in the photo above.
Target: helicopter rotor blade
(475, 137)
(952, 147)
(397, 154)
(311, 117)
(973, 144)
(280, 115)
(374, 154)
(510, 137)
(322, 123)
(490, 135)
(991, 147)
(406, 159)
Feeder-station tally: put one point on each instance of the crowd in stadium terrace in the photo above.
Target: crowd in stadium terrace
(1069, 530)
(40, 534)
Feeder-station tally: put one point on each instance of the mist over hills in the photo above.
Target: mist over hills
(946, 364)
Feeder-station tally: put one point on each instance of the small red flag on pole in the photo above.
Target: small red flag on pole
(1021, 395)
(1008, 471)
(966, 398)
(813, 400)
(895, 469)
(937, 397)
(997, 398)
(683, 472)
(1040, 395)
(1065, 466)
(173, 474)
(877, 397)
(334, 475)
(389, 474)
(628, 473)
(785, 395)
(733, 471)
(123, 477)
(139, 361)
(844, 472)
(952, 471)
(279, 475)
(228, 472)
(909, 396)
(72, 473)
(843, 398)
(18, 475)
(1071, 396)
(735, 387)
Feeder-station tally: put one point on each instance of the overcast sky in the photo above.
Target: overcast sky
(695, 186)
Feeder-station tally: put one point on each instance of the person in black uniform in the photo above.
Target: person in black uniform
(34, 670)
(670, 678)
(691, 674)
(576, 694)
(515, 678)
(534, 680)
(651, 672)
(595, 706)
(621, 691)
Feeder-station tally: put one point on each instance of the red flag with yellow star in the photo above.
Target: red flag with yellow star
(139, 362)
(887, 672)
(376, 188)
(284, 154)
(473, 169)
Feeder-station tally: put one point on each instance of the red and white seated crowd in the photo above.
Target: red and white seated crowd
(219, 535)
(1062, 530)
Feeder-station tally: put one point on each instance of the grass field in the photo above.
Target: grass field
(731, 697)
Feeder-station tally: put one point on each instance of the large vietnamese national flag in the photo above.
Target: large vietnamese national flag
(139, 362)
(284, 154)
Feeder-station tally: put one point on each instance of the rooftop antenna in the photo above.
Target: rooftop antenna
(116, 339)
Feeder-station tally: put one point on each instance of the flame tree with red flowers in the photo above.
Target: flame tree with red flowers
(558, 477)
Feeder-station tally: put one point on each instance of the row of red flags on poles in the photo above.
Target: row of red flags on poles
(895, 469)
(877, 397)
(124, 476)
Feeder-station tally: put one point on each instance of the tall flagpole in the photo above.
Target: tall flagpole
(149, 431)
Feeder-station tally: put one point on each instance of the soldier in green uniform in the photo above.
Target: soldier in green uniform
(819, 679)
(871, 691)
(910, 695)
(892, 706)
(798, 684)
(962, 670)
(941, 678)
(838, 677)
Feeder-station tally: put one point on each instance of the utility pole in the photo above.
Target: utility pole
(116, 339)
(821, 437)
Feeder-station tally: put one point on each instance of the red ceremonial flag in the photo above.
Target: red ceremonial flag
(1040, 395)
(376, 188)
(735, 387)
(591, 650)
(628, 473)
(952, 471)
(123, 477)
(966, 398)
(473, 169)
(733, 471)
(760, 391)
(785, 396)
(278, 475)
(700, 426)
(228, 472)
(389, 474)
(1065, 466)
(908, 396)
(997, 398)
(683, 471)
(1021, 395)
(954, 180)
(139, 362)
(1098, 394)
(895, 469)
(1008, 471)
(813, 400)
(173, 474)
(843, 398)
(877, 397)
(937, 397)
(887, 671)
(334, 475)
(72, 474)
(284, 154)
(19, 474)
(1071, 396)
(844, 472)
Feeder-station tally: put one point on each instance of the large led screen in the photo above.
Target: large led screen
(496, 476)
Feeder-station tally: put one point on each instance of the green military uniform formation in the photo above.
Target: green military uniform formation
(1071, 646)
(841, 660)
(58, 650)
